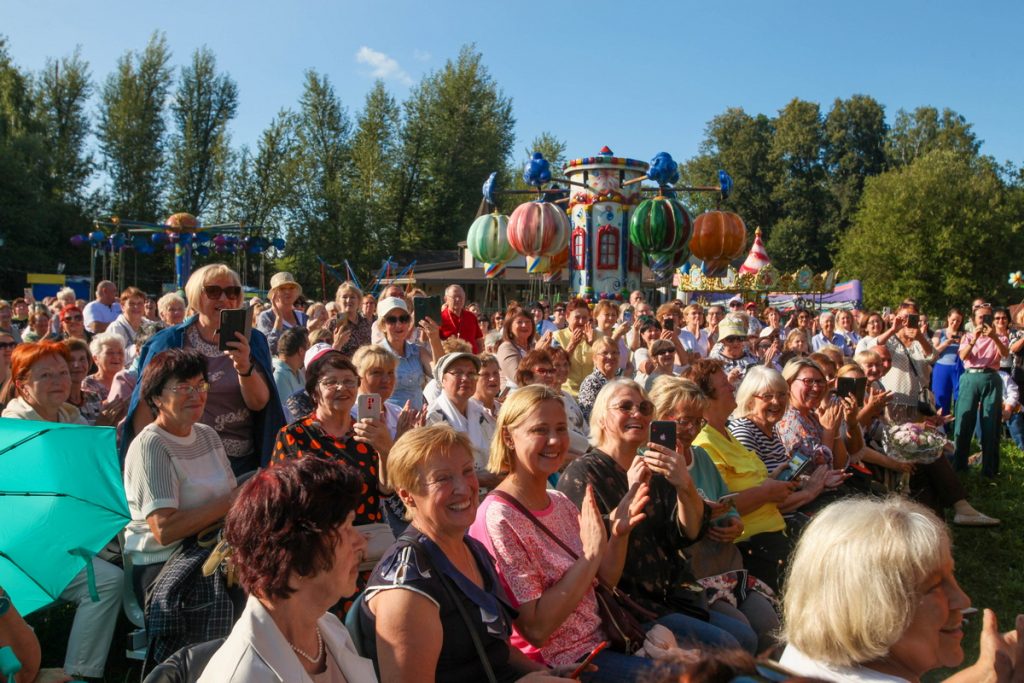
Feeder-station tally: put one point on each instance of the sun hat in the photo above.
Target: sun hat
(732, 326)
(283, 279)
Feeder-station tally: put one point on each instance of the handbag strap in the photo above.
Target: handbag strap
(511, 500)
(470, 626)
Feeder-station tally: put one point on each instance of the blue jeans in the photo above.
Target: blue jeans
(1016, 426)
(616, 666)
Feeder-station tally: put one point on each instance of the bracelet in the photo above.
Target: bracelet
(252, 366)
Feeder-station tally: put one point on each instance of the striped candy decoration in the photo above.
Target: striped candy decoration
(487, 240)
(660, 225)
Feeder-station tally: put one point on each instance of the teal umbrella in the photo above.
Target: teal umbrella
(61, 500)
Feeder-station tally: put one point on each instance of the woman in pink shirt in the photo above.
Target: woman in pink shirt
(980, 386)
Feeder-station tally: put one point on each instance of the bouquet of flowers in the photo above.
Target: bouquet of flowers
(914, 442)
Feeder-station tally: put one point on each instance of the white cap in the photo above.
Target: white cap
(314, 352)
(388, 304)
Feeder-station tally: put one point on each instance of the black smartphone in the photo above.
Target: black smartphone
(799, 464)
(234, 320)
(668, 324)
(427, 307)
(913, 320)
(987, 319)
(851, 386)
(663, 433)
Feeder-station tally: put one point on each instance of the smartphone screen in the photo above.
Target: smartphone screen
(663, 433)
(913, 320)
(668, 324)
(627, 317)
(845, 386)
(798, 464)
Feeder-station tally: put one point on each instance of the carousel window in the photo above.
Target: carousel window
(635, 263)
(579, 248)
(608, 247)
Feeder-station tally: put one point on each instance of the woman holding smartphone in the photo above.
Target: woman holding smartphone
(947, 366)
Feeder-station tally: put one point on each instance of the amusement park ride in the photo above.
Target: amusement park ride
(606, 226)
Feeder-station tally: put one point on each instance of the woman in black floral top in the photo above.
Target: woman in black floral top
(606, 367)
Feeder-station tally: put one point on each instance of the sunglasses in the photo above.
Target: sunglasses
(733, 340)
(215, 291)
(665, 352)
(396, 319)
(8, 345)
(645, 408)
(73, 318)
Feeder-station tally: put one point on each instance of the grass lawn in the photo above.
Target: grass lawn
(989, 566)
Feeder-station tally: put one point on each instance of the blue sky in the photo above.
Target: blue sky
(640, 78)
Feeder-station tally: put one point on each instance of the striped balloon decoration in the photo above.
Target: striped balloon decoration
(659, 226)
(487, 239)
(536, 265)
(538, 229)
(493, 270)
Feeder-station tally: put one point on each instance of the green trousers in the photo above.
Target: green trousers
(982, 390)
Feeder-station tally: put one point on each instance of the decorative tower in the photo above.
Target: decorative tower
(603, 264)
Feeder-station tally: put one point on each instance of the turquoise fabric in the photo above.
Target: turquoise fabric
(61, 500)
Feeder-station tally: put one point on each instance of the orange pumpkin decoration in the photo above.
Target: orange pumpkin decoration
(718, 238)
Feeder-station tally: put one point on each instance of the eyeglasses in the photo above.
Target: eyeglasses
(462, 374)
(769, 397)
(735, 304)
(396, 319)
(8, 345)
(608, 354)
(811, 382)
(547, 372)
(332, 384)
(645, 408)
(73, 318)
(691, 422)
(215, 291)
(189, 389)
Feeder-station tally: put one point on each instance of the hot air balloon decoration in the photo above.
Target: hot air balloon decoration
(718, 238)
(538, 229)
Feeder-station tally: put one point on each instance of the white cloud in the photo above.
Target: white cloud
(421, 55)
(382, 66)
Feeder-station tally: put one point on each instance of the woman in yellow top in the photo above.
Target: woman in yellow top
(764, 544)
(577, 339)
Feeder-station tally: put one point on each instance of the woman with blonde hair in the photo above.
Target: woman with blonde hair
(243, 405)
(352, 330)
(871, 596)
(436, 589)
(549, 582)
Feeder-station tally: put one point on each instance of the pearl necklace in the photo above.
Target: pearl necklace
(319, 649)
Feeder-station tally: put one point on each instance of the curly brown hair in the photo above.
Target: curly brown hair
(702, 371)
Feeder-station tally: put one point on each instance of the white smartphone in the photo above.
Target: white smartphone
(368, 407)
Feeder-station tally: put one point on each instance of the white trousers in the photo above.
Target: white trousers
(93, 628)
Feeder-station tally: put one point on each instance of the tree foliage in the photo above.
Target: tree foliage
(942, 229)
(62, 94)
(132, 130)
(204, 104)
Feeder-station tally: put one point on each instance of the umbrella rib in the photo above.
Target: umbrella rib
(62, 495)
(27, 575)
(23, 441)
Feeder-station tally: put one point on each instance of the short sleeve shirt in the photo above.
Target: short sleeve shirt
(529, 562)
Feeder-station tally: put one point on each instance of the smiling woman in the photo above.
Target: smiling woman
(877, 576)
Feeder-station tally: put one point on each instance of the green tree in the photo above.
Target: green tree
(855, 134)
(322, 136)
(801, 236)
(916, 133)
(942, 229)
(132, 129)
(372, 181)
(204, 104)
(62, 93)
(458, 129)
(740, 144)
(553, 149)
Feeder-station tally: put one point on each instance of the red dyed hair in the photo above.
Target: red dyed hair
(68, 309)
(285, 522)
(27, 355)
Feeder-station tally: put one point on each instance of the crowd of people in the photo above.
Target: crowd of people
(611, 491)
